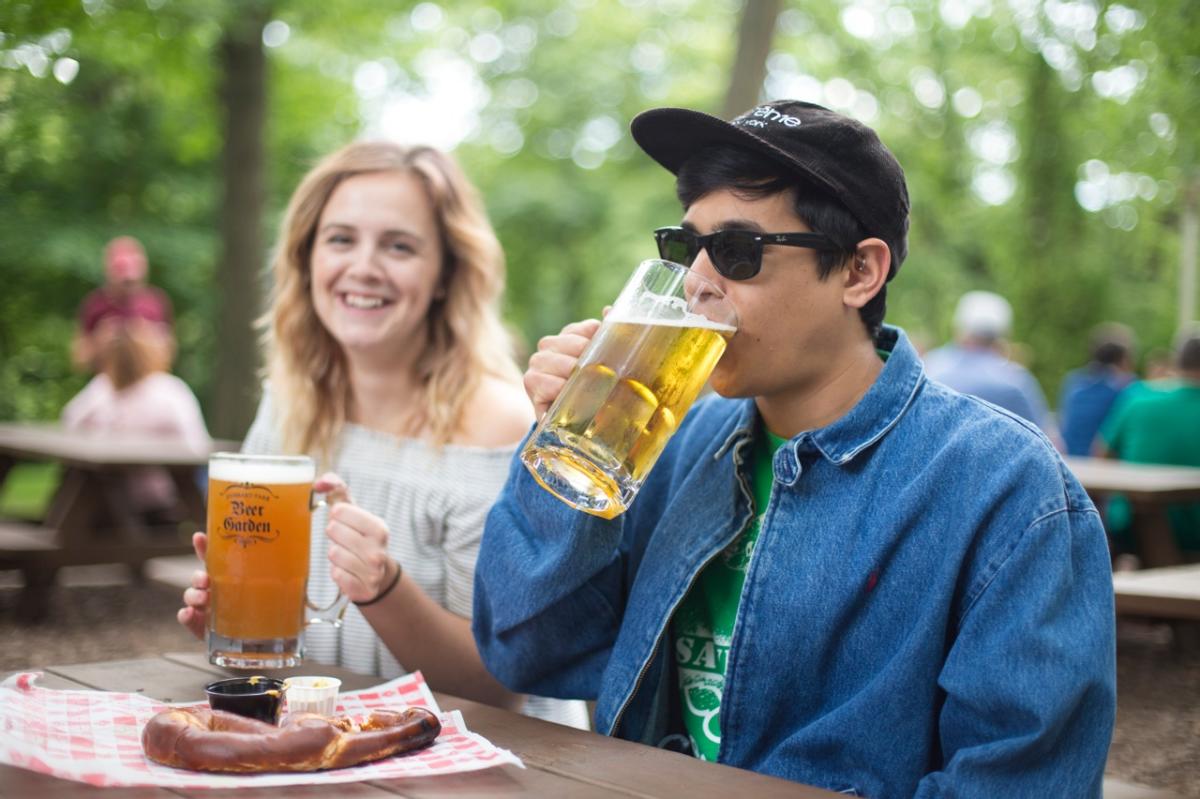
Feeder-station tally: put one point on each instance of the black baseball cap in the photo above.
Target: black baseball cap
(837, 153)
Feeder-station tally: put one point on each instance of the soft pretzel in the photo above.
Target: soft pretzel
(203, 739)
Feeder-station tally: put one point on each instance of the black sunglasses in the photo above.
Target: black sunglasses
(736, 254)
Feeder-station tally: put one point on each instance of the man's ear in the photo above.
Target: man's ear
(866, 272)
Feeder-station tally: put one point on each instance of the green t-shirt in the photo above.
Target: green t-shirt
(702, 627)
(1157, 425)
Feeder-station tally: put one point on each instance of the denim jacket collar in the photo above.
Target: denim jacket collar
(869, 420)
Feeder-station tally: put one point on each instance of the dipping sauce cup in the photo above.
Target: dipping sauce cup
(312, 694)
(253, 697)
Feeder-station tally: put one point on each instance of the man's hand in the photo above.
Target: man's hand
(551, 365)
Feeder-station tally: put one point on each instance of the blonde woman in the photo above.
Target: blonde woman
(388, 362)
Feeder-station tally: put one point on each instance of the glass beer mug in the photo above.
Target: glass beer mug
(259, 529)
(629, 391)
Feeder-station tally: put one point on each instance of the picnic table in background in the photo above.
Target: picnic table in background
(1150, 488)
(89, 520)
(560, 761)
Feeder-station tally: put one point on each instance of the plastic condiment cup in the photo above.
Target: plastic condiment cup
(311, 694)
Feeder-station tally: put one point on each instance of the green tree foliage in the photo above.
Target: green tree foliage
(1048, 146)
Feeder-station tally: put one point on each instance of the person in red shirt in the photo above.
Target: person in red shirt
(125, 295)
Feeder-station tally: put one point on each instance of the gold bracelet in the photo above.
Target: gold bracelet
(387, 590)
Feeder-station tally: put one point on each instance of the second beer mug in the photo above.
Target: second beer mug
(631, 388)
(259, 528)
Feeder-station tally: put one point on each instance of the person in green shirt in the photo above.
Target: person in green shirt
(1161, 426)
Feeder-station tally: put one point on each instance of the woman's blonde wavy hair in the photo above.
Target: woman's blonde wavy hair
(466, 339)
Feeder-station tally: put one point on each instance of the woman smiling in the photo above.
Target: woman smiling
(388, 362)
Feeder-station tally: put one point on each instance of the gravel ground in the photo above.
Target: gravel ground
(1157, 740)
(94, 622)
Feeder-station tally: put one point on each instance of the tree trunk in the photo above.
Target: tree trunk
(242, 67)
(755, 33)
(1189, 229)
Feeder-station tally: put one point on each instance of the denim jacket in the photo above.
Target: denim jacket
(928, 611)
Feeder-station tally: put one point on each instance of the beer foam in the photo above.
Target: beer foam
(687, 320)
(265, 470)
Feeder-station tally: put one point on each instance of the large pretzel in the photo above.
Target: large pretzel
(212, 740)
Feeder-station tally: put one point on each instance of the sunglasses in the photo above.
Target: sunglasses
(736, 254)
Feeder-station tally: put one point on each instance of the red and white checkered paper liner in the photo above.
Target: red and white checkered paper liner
(96, 737)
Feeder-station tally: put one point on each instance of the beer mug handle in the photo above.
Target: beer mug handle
(333, 612)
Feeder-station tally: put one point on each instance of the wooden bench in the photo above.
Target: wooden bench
(38, 552)
(1116, 788)
(1172, 592)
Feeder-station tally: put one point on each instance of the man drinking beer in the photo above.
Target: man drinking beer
(839, 572)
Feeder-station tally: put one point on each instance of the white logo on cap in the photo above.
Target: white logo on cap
(759, 117)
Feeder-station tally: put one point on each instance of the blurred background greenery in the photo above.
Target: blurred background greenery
(1050, 149)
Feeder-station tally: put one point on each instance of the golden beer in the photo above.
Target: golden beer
(259, 523)
(626, 396)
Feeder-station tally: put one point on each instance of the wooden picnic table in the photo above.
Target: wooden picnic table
(1150, 488)
(89, 519)
(560, 761)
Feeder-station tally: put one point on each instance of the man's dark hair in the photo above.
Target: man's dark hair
(754, 176)
(1111, 343)
(1110, 353)
(1189, 352)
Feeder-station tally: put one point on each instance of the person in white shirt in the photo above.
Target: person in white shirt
(134, 395)
(388, 362)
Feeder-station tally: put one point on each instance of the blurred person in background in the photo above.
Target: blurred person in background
(1161, 425)
(124, 295)
(1088, 393)
(1159, 366)
(134, 395)
(387, 361)
(978, 362)
(1159, 373)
